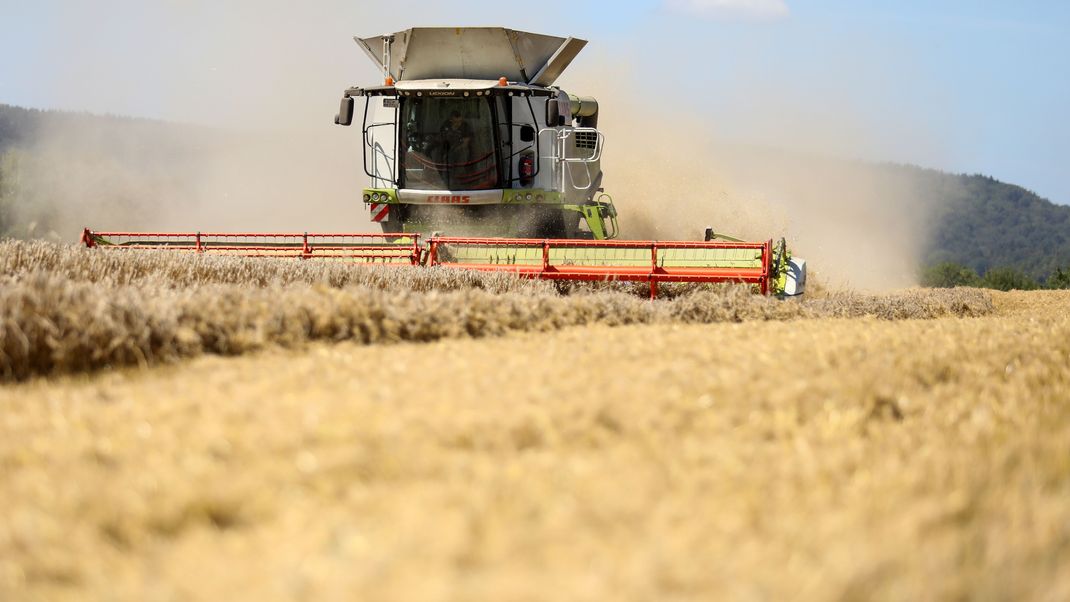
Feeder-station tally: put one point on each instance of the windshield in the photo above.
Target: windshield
(448, 144)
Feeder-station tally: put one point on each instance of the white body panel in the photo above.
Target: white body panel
(380, 160)
(451, 197)
(796, 283)
(446, 84)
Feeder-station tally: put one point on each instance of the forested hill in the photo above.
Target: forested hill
(979, 222)
(983, 223)
(18, 126)
(22, 128)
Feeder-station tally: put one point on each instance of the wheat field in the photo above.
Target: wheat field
(268, 431)
(69, 309)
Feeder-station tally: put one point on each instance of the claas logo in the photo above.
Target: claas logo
(447, 198)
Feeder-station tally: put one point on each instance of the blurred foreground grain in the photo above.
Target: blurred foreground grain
(822, 458)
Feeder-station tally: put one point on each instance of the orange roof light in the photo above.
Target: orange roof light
(389, 81)
(502, 81)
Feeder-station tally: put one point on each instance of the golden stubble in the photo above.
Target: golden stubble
(814, 459)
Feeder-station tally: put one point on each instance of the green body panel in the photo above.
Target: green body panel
(600, 215)
(391, 194)
(538, 197)
(595, 221)
(780, 280)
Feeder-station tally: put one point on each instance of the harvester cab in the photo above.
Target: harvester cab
(469, 136)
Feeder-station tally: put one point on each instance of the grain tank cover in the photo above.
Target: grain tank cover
(485, 53)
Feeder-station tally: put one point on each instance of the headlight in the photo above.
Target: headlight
(375, 197)
(529, 197)
(519, 196)
(367, 197)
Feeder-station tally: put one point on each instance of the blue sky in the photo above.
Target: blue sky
(962, 86)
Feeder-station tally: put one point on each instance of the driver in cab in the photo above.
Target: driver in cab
(456, 138)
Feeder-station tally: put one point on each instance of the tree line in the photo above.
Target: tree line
(949, 274)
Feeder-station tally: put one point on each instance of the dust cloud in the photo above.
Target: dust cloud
(119, 174)
(244, 139)
(672, 174)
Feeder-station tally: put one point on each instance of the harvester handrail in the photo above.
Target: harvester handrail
(596, 152)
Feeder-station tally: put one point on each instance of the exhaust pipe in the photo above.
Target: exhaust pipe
(584, 110)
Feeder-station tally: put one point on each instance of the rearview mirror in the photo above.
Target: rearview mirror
(527, 133)
(345, 112)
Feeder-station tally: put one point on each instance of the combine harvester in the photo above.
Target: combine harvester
(468, 137)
